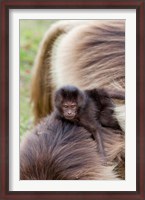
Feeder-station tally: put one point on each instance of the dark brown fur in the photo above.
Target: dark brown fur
(57, 150)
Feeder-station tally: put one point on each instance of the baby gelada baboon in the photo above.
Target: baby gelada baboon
(92, 109)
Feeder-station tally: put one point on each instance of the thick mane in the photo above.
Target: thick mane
(87, 54)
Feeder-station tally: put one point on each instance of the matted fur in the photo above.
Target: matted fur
(58, 150)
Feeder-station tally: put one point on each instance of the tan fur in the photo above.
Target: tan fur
(81, 53)
(90, 56)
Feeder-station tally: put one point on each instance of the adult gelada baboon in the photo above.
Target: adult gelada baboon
(59, 150)
(88, 54)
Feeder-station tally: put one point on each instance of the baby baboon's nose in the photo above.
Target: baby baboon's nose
(69, 112)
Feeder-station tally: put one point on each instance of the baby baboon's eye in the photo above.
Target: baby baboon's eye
(65, 106)
(73, 106)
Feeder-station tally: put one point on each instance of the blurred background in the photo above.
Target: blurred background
(31, 34)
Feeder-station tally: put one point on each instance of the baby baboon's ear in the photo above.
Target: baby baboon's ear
(82, 99)
(58, 99)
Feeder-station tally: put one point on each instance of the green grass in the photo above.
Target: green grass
(31, 33)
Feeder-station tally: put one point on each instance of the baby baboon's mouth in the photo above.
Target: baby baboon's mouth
(69, 117)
